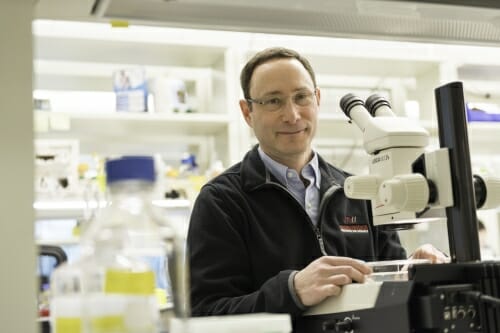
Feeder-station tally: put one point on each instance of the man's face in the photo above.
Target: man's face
(287, 132)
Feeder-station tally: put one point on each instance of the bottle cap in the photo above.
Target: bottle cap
(189, 160)
(130, 168)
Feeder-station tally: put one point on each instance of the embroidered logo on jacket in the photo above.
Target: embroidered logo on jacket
(351, 225)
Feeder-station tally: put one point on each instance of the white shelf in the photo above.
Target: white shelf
(485, 129)
(129, 128)
(59, 242)
(483, 137)
(75, 209)
(76, 81)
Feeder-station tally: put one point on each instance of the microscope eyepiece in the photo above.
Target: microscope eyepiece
(374, 102)
(348, 102)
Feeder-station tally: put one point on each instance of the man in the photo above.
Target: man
(270, 233)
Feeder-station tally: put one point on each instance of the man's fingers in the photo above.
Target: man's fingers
(332, 290)
(352, 273)
(340, 280)
(430, 253)
(345, 261)
(325, 276)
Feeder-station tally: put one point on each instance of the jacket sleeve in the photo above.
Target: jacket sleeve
(220, 267)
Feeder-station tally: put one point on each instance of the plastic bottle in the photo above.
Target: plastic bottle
(66, 301)
(111, 289)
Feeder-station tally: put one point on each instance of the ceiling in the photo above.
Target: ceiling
(470, 22)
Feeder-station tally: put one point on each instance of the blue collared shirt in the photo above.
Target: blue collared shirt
(308, 196)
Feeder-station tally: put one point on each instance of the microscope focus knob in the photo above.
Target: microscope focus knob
(361, 187)
(405, 192)
(492, 185)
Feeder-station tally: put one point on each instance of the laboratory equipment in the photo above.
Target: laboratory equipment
(111, 288)
(405, 182)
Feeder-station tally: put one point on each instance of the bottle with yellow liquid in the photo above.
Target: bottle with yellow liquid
(115, 276)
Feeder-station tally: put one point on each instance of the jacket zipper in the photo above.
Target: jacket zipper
(316, 230)
(320, 240)
(328, 194)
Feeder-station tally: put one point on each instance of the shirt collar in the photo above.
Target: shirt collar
(280, 171)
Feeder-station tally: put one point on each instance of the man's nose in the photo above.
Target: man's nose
(290, 111)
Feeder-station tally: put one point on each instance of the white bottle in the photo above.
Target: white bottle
(121, 284)
(66, 301)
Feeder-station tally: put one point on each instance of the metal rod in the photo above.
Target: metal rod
(462, 220)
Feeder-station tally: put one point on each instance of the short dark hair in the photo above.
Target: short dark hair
(268, 55)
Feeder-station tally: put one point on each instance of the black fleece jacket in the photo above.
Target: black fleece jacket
(247, 234)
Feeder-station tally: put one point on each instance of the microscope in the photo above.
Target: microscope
(406, 182)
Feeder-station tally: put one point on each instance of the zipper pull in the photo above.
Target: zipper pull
(320, 240)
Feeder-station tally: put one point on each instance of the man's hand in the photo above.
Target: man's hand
(427, 251)
(325, 276)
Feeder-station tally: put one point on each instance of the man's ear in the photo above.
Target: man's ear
(246, 112)
(318, 95)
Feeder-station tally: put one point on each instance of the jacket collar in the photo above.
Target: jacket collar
(254, 173)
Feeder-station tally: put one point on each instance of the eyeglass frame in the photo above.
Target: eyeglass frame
(263, 103)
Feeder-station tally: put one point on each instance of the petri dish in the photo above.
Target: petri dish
(392, 270)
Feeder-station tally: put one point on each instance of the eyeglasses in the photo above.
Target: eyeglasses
(275, 103)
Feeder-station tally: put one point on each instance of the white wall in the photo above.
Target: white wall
(17, 251)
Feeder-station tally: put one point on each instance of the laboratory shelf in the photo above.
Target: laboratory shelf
(78, 209)
(130, 133)
(146, 124)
